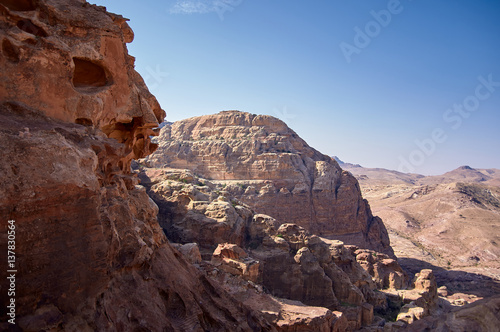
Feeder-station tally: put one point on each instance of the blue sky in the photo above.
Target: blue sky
(408, 85)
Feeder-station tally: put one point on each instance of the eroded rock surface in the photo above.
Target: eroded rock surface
(269, 167)
(69, 60)
(481, 316)
(90, 254)
(286, 260)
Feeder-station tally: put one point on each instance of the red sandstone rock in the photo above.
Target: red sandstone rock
(278, 173)
(90, 254)
(234, 260)
(385, 271)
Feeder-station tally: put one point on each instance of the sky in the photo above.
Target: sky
(409, 85)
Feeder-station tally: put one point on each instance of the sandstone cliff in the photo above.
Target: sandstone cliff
(268, 166)
(90, 254)
(285, 260)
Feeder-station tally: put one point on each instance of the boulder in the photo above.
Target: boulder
(232, 259)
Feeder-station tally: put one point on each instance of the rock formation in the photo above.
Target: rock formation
(287, 260)
(269, 167)
(480, 316)
(421, 299)
(90, 254)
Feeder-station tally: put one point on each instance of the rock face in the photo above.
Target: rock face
(287, 260)
(71, 63)
(90, 254)
(266, 165)
(421, 299)
(385, 271)
(232, 259)
(481, 316)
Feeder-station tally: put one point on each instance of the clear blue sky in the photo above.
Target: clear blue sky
(289, 58)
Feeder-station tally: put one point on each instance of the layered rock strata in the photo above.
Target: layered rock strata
(269, 167)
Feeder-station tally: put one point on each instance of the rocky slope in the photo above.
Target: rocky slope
(90, 255)
(455, 217)
(266, 165)
(299, 281)
(288, 261)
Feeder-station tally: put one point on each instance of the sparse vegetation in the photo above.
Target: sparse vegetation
(243, 186)
(479, 194)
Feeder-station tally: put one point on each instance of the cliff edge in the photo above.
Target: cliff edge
(268, 166)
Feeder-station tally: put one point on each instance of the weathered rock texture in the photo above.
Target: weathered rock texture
(420, 300)
(68, 60)
(285, 259)
(385, 271)
(480, 316)
(268, 166)
(285, 315)
(90, 254)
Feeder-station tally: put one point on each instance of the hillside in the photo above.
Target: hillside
(86, 250)
(274, 171)
(451, 220)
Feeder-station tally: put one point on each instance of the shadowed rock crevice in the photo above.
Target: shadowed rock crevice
(10, 51)
(19, 5)
(84, 121)
(28, 26)
(89, 74)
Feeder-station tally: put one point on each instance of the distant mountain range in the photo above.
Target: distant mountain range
(450, 220)
(381, 176)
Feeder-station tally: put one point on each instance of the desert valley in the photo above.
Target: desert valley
(114, 219)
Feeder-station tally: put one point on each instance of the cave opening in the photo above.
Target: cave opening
(88, 74)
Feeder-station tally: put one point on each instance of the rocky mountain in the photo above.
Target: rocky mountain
(268, 166)
(85, 249)
(234, 243)
(88, 251)
(450, 220)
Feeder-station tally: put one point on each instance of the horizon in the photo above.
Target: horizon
(405, 85)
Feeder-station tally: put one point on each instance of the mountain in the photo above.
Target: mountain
(275, 172)
(82, 238)
(469, 175)
(454, 217)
